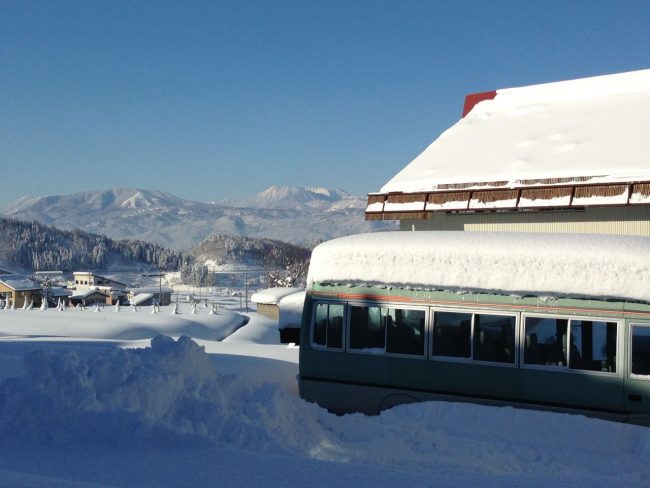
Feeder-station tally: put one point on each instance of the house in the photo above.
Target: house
(89, 298)
(571, 156)
(17, 289)
(160, 295)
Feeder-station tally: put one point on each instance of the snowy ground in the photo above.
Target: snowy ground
(86, 402)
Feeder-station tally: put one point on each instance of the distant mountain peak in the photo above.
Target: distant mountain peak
(294, 196)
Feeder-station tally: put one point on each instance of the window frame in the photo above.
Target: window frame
(470, 359)
(387, 305)
(567, 369)
(312, 322)
(630, 375)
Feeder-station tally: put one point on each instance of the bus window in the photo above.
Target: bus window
(494, 338)
(405, 331)
(641, 349)
(592, 345)
(367, 328)
(451, 334)
(328, 325)
(545, 341)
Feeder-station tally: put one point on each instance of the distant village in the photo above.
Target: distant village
(82, 289)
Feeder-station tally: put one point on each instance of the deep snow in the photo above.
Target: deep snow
(208, 413)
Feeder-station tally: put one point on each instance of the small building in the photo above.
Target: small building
(267, 301)
(19, 289)
(142, 300)
(160, 295)
(567, 157)
(291, 317)
(89, 298)
(278, 304)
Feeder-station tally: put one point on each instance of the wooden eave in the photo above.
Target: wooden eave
(543, 196)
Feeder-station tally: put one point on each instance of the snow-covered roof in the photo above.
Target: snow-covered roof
(140, 298)
(19, 283)
(583, 265)
(82, 294)
(150, 289)
(59, 291)
(592, 128)
(272, 296)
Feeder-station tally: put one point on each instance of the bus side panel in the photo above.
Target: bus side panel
(573, 388)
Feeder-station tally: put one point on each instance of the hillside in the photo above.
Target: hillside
(223, 252)
(33, 246)
(296, 215)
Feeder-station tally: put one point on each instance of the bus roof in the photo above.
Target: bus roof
(568, 265)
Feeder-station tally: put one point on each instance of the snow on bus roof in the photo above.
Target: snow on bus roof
(570, 265)
(592, 128)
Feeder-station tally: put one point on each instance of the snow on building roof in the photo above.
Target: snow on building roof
(592, 128)
(140, 298)
(58, 291)
(272, 296)
(19, 283)
(83, 294)
(579, 265)
(150, 289)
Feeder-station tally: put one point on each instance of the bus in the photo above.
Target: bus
(558, 322)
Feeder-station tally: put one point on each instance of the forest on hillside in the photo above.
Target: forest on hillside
(38, 247)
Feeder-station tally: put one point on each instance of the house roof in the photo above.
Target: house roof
(83, 294)
(140, 298)
(19, 282)
(586, 132)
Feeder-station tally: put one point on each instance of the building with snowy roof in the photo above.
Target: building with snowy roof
(571, 156)
(17, 289)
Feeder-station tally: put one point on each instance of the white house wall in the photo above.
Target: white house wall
(613, 220)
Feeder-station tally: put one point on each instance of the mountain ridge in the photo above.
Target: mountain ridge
(291, 214)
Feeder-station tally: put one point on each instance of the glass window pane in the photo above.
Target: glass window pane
(320, 324)
(641, 350)
(405, 331)
(545, 341)
(335, 326)
(494, 338)
(592, 345)
(367, 327)
(451, 334)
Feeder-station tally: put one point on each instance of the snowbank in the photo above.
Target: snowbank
(593, 127)
(172, 395)
(109, 324)
(582, 265)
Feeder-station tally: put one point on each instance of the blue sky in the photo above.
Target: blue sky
(219, 100)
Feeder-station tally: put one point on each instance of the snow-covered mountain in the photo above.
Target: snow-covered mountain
(297, 197)
(297, 215)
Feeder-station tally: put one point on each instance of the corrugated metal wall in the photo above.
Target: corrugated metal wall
(629, 220)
